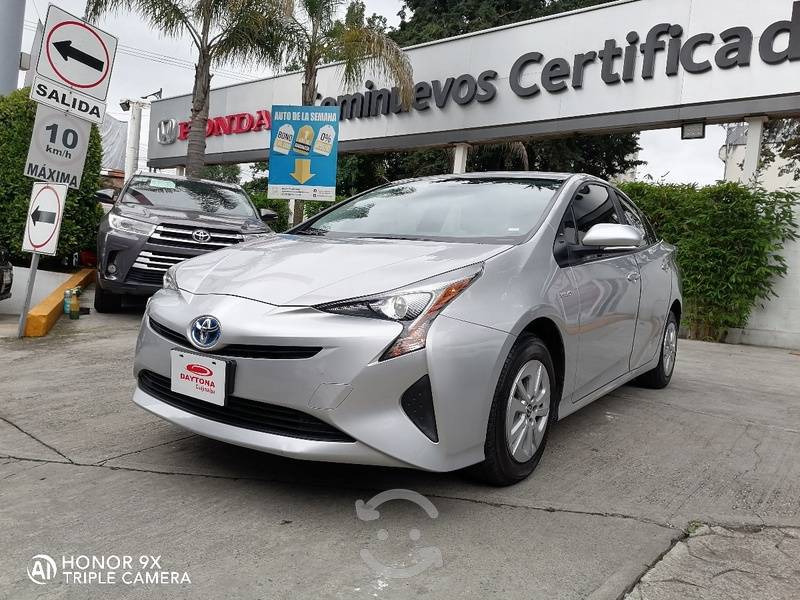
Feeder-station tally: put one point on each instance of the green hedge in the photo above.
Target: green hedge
(81, 212)
(729, 240)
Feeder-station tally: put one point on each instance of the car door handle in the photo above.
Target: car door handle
(633, 277)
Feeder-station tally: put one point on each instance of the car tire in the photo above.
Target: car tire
(503, 465)
(105, 301)
(659, 377)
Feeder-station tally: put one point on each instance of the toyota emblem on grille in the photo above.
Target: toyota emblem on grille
(201, 235)
(205, 331)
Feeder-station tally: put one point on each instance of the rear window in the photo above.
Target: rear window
(466, 209)
(200, 196)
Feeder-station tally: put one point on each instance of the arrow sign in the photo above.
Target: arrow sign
(302, 170)
(43, 216)
(67, 51)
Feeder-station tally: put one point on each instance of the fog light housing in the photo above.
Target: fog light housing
(112, 269)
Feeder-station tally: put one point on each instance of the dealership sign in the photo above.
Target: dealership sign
(168, 131)
(633, 64)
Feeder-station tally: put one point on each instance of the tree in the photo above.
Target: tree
(316, 37)
(222, 32)
(223, 173)
(782, 139)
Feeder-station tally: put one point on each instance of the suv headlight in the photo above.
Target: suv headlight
(170, 282)
(415, 307)
(130, 225)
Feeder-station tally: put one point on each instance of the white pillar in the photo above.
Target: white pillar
(752, 156)
(11, 23)
(180, 170)
(134, 133)
(460, 158)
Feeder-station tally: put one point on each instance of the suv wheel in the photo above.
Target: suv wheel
(105, 301)
(519, 421)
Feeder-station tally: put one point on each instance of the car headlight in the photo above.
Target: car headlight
(415, 307)
(130, 225)
(170, 282)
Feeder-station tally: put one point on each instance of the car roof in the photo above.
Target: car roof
(232, 186)
(501, 175)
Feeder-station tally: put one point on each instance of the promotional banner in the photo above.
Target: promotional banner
(302, 159)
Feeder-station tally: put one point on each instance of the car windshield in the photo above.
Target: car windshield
(159, 192)
(452, 209)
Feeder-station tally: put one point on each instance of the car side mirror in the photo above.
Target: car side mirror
(613, 235)
(105, 196)
(267, 215)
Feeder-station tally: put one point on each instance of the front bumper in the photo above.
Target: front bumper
(343, 385)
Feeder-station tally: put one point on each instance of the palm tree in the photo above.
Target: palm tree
(222, 32)
(315, 36)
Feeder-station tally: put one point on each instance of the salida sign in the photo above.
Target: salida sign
(614, 63)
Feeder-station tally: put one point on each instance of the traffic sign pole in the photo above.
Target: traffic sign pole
(23, 317)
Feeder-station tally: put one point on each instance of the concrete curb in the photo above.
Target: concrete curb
(44, 315)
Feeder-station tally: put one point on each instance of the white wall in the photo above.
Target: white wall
(46, 282)
(777, 323)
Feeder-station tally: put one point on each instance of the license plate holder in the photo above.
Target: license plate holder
(206, 378)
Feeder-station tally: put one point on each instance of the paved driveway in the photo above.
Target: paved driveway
(84, 472)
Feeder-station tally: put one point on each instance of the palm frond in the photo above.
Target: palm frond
(365, 50)
(252, 31)
(170, 17)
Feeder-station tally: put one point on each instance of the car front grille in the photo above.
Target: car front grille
(194, 237)
(247, 414)
(147, 276)
(241, 350)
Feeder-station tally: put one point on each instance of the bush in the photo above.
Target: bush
(81, 211)
(729, 240)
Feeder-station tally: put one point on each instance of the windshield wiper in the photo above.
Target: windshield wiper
(312, 231)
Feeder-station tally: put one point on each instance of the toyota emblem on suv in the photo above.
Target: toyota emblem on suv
(201, 235)
(205, 331)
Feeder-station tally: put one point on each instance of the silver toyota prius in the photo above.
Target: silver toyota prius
(435, 323)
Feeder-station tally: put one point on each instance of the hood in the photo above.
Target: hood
(304, 270)
(196, 218)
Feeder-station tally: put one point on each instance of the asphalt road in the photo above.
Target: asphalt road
(84, 472)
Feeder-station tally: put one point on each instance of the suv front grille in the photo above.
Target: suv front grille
(183, 236)
(240, 350)
(149, 277)
(248, 414)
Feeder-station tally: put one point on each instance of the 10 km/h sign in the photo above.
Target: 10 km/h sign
(44, 218)
(58, 147)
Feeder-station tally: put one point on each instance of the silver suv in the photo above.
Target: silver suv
(160, 220)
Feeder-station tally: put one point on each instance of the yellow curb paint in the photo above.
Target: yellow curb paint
(44, 315)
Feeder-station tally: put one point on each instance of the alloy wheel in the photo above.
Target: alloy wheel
(527, 410)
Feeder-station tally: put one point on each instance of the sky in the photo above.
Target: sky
(147, 61)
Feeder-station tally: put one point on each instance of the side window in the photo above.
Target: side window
(567, 231)
(633, 216)
(592, 205)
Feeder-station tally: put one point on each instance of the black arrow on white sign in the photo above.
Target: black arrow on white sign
(42, 216)
(67, 51)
